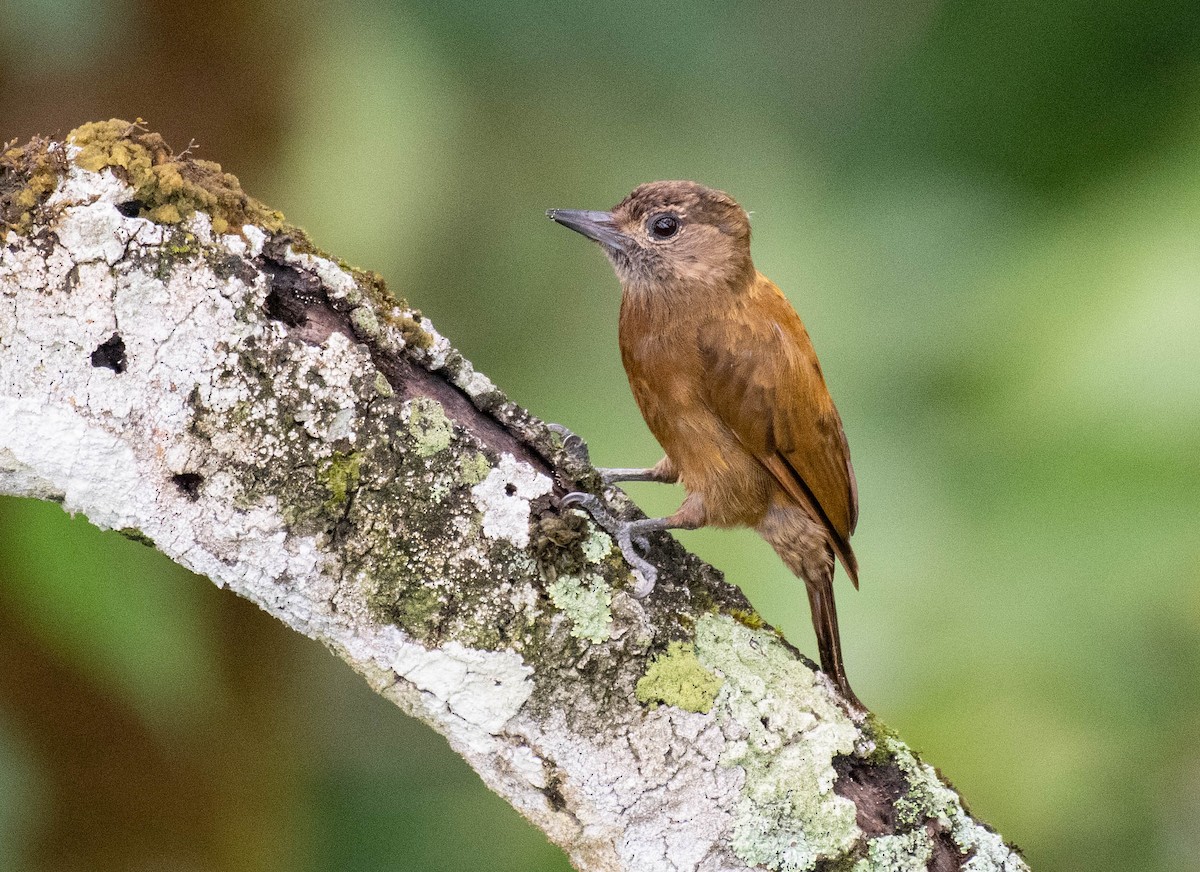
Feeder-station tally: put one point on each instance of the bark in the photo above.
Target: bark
(178, 365)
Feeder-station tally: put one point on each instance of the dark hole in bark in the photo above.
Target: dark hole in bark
(873, 789)
(553, 793)
(286, 308)
(130, 208)
(110, 353)
(189, 483)
(947, 856)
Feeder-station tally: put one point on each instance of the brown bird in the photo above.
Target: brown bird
(726, 377)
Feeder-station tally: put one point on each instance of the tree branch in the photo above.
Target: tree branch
(179, 365)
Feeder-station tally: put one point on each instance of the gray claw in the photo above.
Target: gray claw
(645, 579)
(572, 444)
(591, 504)
(622, 532)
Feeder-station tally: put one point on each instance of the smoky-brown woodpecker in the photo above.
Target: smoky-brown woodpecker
(727, 379)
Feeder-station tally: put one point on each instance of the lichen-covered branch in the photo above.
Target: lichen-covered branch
(179, 365)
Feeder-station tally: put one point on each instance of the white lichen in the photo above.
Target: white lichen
(928, 797)
(82, 187)
(906, 852)
(338, 283)
(485, 689)
(96, 231)
(473, 384)
(503, 498)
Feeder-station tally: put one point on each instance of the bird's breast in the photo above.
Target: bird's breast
(667, 377)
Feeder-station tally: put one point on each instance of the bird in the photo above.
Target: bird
(726, 377)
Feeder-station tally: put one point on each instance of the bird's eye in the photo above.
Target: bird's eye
(664, 226)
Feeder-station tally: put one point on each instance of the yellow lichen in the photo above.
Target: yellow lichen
(169, 188)
(28, 175)
(677, 678)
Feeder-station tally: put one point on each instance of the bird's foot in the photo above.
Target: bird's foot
(627, 535)
(572, 444)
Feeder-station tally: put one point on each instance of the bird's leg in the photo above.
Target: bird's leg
(663, 471)
(612, 475)
(627, 534)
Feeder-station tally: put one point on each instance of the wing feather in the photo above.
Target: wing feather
(765, 383)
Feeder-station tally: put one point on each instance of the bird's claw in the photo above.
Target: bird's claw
(643, 569)
(572, 444)
(591, 504)
(624, 533)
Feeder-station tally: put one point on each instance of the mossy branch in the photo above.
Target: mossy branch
(178, 364)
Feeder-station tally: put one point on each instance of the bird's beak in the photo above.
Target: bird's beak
(594, 225)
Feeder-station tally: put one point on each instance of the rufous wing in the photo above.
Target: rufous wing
(763, 380)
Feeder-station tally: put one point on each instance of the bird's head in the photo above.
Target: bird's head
(671, 235)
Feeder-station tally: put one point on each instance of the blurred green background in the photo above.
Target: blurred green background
(988, 215)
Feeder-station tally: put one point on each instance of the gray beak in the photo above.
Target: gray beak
(594, 225)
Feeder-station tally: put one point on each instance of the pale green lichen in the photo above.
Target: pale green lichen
(928, 798)
(474, 468)
(789, 817)
(587, 606)
(596, 546)
(429, 426)
(906, 852)
(383, 387)
(677, 678)
(364, 321)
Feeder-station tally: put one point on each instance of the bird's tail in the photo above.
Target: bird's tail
(829, 642)
(806, 551)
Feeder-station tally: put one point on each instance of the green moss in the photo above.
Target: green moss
(415, 336)
(339, 475)
(169, 188)
(677, 678)
(588, 607)
(748, 618)
(429, 426)
(373, 288)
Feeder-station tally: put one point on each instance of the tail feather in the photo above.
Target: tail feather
(829, 642)
(805, 547)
